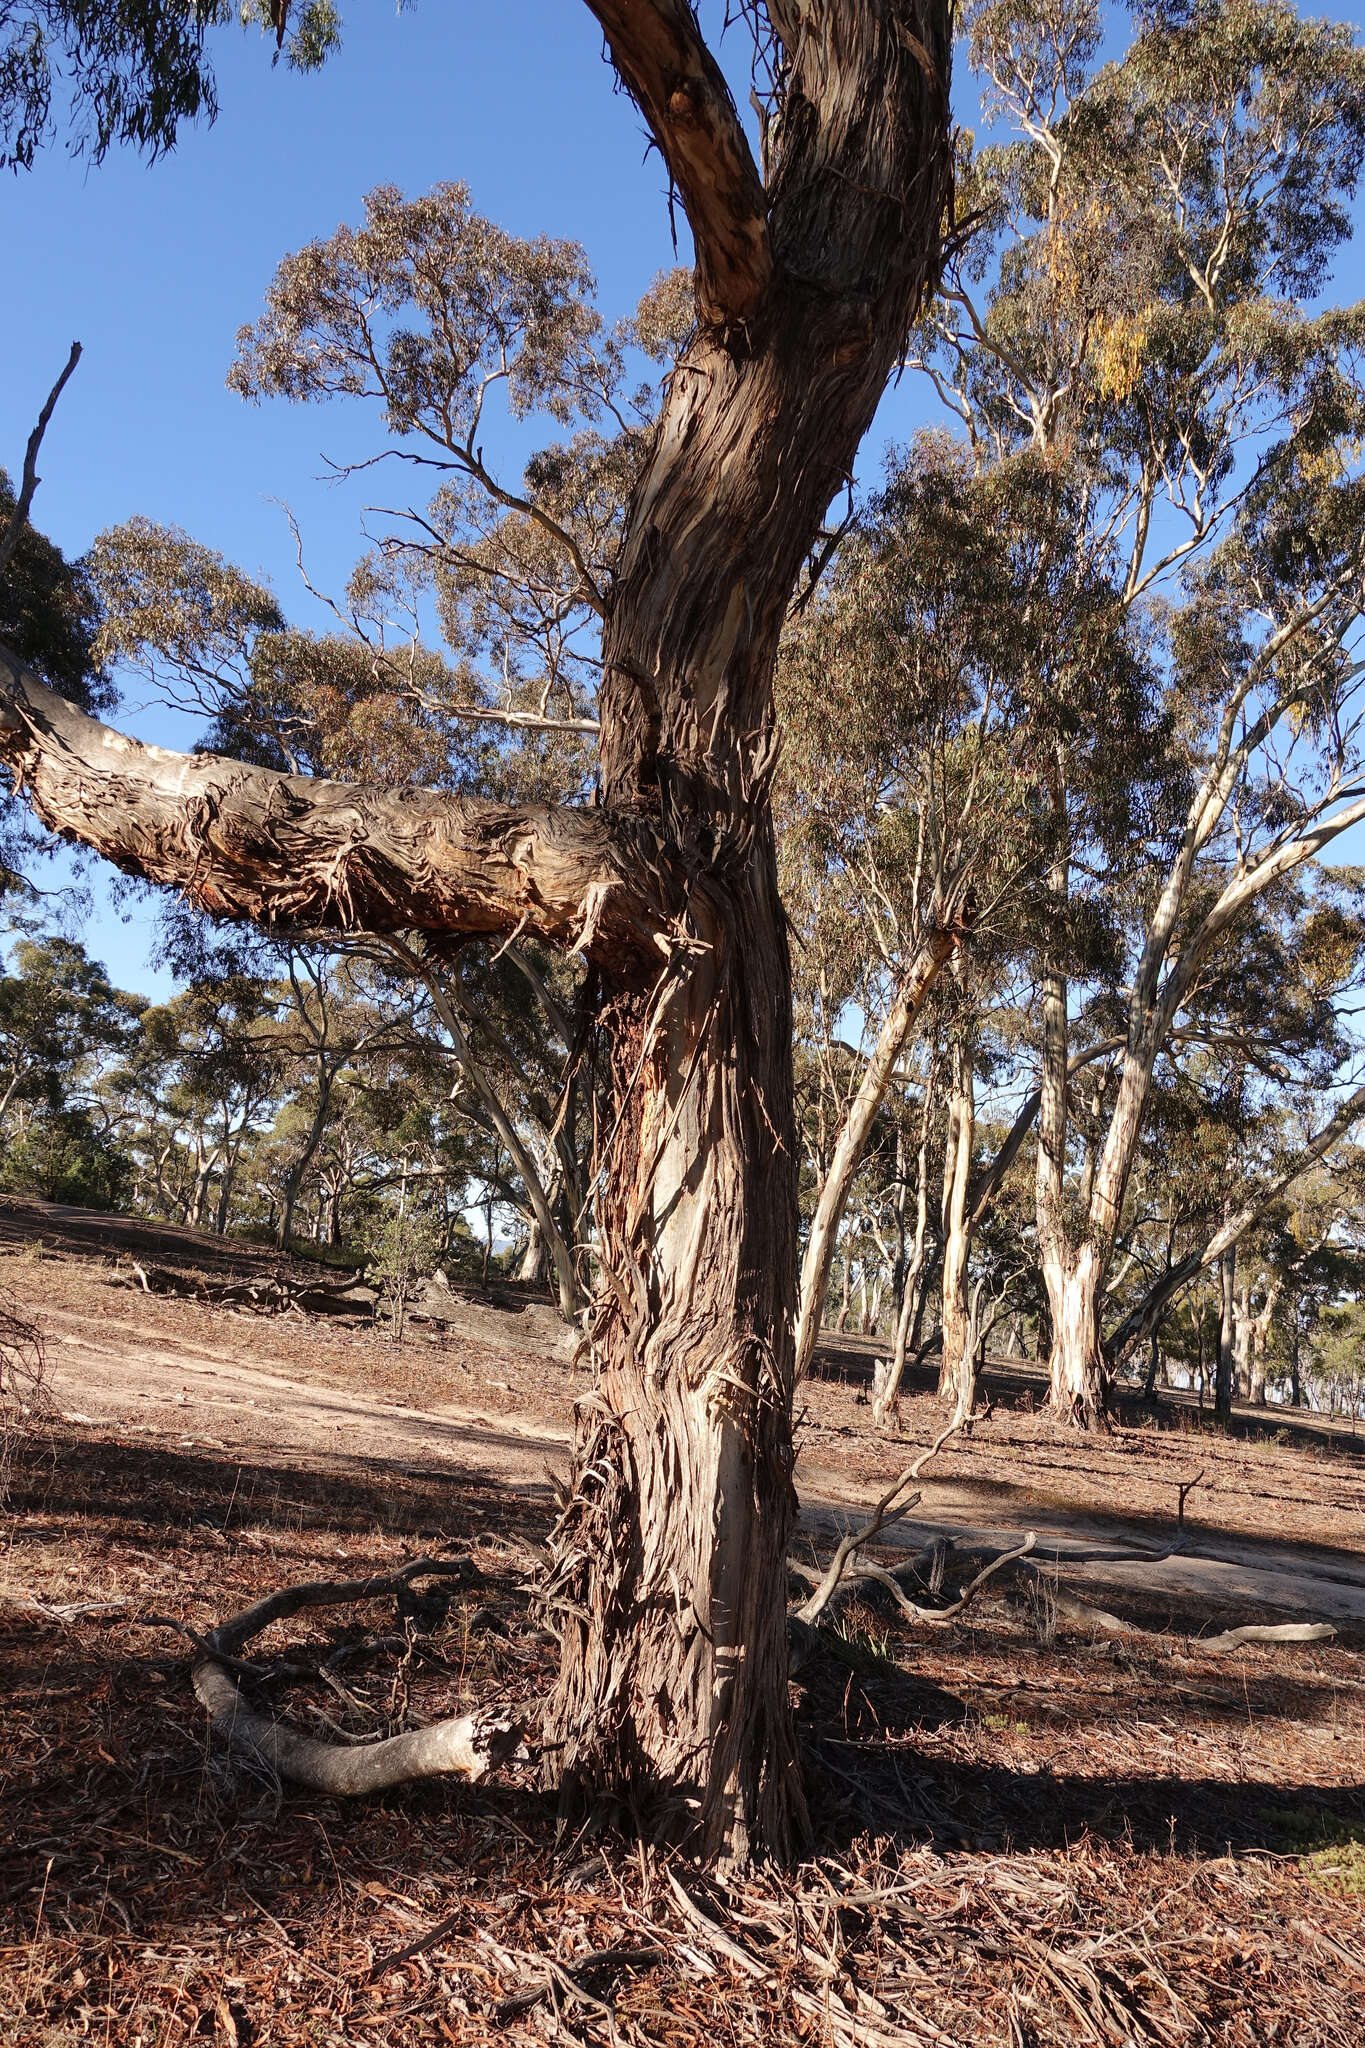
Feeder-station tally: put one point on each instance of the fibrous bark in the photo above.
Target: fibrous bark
(296, 850)
(668, 1580)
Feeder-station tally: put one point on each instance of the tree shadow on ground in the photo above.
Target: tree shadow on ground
(117, 1806)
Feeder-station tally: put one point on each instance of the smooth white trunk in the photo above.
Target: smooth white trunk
(1076, 1367)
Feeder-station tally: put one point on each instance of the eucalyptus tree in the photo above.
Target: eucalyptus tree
(811, 262)
(219, 1069)
(1256, 1086)
(62, 1022)
(110, 72)
(956, 641)
(1134, 316)
(50, 618)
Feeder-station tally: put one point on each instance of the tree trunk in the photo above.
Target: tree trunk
(669, 1558)
(294, 1179)
(223, 1210)
(1227, 1336)
(934, 951)
(535, 1260)
(845, 1303)
(913, 1279)
(673, 1684)
(671, 1552)
(1076, 1369)
(956, 1365)
(1073, 1273)
(1243, 1342)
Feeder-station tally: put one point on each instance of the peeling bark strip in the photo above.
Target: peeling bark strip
(248, 842)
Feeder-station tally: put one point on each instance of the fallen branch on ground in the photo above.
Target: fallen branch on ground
(469, 1745)
(893, 1506)
(273, 1296)
(936, 1615)
(1273, 1632)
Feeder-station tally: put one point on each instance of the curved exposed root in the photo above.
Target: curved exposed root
(469, 1745)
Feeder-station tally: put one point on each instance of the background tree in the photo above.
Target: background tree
(1133, 321)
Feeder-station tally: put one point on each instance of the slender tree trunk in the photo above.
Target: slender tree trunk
(1227, 1336)
(297, 1173)
(1073, 1273)
(203, 1174)
(935, 949)
(956, 1364)
(1243, 1342)
(845, 1304)
(912, 1280)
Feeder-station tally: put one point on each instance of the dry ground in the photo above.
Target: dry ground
(1025, 1832)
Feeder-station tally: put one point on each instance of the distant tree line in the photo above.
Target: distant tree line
(1069, 710)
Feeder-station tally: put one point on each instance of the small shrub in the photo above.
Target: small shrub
(404, 1251)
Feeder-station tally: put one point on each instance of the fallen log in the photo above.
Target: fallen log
(1269, 1632)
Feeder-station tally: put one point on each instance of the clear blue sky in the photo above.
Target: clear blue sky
(153, 268)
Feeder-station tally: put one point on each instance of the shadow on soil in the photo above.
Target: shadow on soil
(115, 1803)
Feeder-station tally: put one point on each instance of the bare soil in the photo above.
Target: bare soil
(1026, 1831)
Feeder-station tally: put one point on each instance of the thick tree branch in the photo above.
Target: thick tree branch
(469, 1746)
(680, 89)
(247, 842)
(988, 1184)
(893, 1506)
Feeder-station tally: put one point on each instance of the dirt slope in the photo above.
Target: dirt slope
(1272, 1526)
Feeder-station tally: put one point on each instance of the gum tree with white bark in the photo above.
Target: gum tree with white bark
(1135, 316)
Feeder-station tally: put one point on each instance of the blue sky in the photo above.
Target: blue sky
(154, 267)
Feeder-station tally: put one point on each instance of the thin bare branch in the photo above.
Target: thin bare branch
(18, 518)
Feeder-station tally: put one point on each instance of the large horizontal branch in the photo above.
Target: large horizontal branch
(288, 850)
(680, 89)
